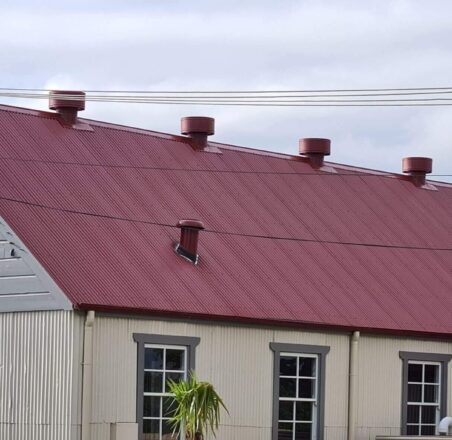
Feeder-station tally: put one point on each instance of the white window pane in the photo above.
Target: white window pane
(175, 377)
(167, 431)
(174, 360)
(306, 388)
(287, 366)
(153, 358)
(307, 367)
(285, 431)
(153, 382)
(151, 429)
(169, 406)
(413, 414)
(286, 410)
(428, 414)
(151, 406)
(428, 430)
(431, 393)
(414, 372)
(287, 387)
(412, 430)
(431, 373)
(303, 411)
(414, 393)
(303, 431)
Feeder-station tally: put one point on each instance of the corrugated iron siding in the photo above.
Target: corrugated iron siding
(236, 359)
(380, 382)
(36, 377)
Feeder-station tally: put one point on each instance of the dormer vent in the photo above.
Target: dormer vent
(67, 103)
(315, 149)
(417, 168)
(198, 128)
(189, 237)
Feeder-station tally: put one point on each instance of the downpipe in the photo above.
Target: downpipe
(87, 375)
(444, 425)
(352, 385)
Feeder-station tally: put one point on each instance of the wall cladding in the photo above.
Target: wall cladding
(238, 361)
(380, 382)
(36, 380)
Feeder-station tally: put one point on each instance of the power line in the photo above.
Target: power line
(255, 101)
(376, 103)
(206, 170)
(214, 231)
(273, 95)
(245, 91)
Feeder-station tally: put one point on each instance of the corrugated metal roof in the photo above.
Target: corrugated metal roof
(111, 264)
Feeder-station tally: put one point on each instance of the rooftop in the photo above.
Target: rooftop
(284, 242)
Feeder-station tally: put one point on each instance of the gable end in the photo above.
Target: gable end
(24, 283)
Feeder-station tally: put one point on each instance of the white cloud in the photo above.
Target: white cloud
(232, 44)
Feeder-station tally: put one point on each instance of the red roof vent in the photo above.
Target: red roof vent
(67, 104)
(417, 168)
(315, 149)
(189, 235)
(198, 128)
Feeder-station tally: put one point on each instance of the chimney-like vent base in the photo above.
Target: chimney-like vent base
(315, 149)
(417, 168)
(198, 128)
(189, 237)
(67, 103)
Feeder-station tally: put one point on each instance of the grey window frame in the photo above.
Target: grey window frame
(321, 351)
(143, 339)
(443, 360)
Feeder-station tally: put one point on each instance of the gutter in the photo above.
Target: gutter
(87, 379)
(352, 385)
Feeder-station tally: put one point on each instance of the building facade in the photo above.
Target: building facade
(316, 297)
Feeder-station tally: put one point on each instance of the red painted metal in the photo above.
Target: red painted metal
(417, 167)
(67, 103)
(117, 265)
(315, 149)
(189, 237)
(198, 128)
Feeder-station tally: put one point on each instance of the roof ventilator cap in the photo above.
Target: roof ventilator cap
(315, 149)
(417, 168)
(198, 128)
(189, 237)
(67, 104)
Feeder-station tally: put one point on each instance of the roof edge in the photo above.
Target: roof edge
(132, 312)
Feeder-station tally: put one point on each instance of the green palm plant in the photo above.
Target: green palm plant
(196, 408)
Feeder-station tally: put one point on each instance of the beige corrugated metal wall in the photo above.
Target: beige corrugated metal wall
(36, 376)
(238, 361)
(41, 375)
(380, 382)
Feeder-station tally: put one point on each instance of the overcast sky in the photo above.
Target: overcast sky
(246, 44)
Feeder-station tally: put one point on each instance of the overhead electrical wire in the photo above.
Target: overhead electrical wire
(246, 91)
(379, 98)
(183, 95)
(220, 232)
(206, 170)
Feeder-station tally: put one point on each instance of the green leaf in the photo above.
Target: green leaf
(197, 407)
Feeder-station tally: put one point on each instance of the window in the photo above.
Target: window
(160, 358)
(298, 391)
(424, 396)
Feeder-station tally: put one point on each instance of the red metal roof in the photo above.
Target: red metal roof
(117, 265)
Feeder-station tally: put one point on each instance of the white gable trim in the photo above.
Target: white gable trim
(24, 284)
